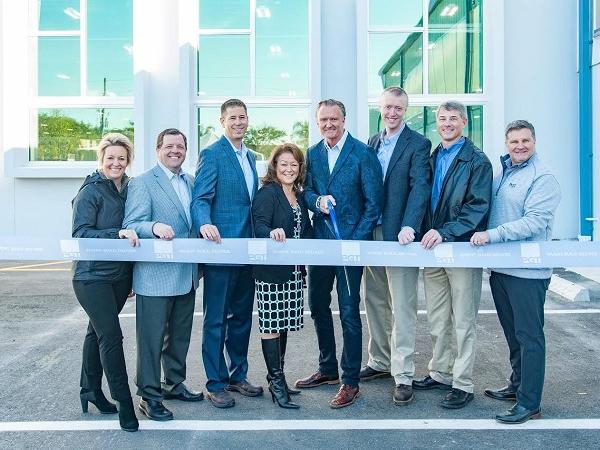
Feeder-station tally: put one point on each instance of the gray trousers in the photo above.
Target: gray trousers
(163, 330)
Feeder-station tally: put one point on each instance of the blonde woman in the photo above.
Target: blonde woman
(102, 287)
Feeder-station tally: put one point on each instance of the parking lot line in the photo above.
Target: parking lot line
(323, 425)
(36, 267)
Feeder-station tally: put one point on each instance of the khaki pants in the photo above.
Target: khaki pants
(391, 305)
(452, 296)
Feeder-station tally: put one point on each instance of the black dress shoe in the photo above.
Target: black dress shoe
(429, 383)
(456, 399)
(221, 399)
(518, 414)
(317, 379)
(154, 410)
(506, 393)
(185, 395)
(245, 388)
(367, 373)
(403, 394)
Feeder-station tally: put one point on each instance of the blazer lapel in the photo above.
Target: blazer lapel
(401, 144)
(252, 161)
(167, 187)
(321, 163)
(346, 150)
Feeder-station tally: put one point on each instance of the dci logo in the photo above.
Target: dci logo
(530, 253)
(444, 254)
(70, 248)
(351, 252)
(163, 249)
(257, 251)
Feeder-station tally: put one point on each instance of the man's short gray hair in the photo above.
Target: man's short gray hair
(453, 105)
(519, 125)
(332, 102)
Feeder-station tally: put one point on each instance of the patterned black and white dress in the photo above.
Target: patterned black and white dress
(281, 306)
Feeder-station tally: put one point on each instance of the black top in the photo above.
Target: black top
(270, 210)
(98, 211)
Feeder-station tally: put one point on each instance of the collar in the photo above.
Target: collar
(507, 163)
(454, 147)
(393, 139)
(168, 172)
(243, 148)
(339, 145)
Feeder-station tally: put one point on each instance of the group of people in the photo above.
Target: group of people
(393, 189)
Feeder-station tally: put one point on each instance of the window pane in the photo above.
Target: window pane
(58, 15)
(110, 47)
(73, 134)
(269, 126)
(224, 14)
(282, 61)
(456, 48)
(58, 66)
(224, 65)
(386, 13)
(422, 120)
(395, 59)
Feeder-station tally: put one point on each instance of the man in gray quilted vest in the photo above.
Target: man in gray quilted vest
(524, 200)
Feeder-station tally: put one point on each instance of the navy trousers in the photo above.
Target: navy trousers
(227, 305)
(320, 285)
(520, 306)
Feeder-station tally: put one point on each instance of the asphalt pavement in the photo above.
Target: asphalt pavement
(41, 333)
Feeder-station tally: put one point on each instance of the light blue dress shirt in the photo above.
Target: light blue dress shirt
(386, 148)
(443, 161)
(181, 188)
(242, 156)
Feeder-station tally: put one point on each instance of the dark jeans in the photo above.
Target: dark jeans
(520, 306)
(103, 343)
(163, 329)
(227, 304)
(320, 284)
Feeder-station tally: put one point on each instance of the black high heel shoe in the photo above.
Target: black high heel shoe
(98, 399)
(277, 384)
(127, 418)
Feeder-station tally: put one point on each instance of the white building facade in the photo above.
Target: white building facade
(73, 69)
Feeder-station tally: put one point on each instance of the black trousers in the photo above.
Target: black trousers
(163, 329)
(520, 306)
(103, 343)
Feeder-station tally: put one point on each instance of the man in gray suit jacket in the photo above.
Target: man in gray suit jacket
(391, 292)
(226, 182)
(158, 206)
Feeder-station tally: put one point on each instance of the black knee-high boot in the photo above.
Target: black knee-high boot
(283, 346)
(277, 384)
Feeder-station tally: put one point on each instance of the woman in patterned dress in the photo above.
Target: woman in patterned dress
(279, 213)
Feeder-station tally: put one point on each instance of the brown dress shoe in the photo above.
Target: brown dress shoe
(221, 399)
(403, 394)
(317, 379)
(346, 396)
(245, 388)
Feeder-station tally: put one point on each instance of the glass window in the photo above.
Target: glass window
(59, 15)
(422, 120)
(269, 126)
(396, 59)
(72, 134)
(233, 14)
(386, 13)
(282, 48)
(110, 47)
(58, 65)
(224, 65)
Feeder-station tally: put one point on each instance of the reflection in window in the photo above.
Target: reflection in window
(269, 127)
(72, 134)
(58, 65)
(279, 33)
(422, 120)
(110, 47)
(59, 15)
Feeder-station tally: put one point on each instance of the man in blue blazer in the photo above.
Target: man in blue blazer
(391, 292)
(345, 172)
(226, 182)
(158, 207)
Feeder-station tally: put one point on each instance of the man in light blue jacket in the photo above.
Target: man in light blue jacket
(524, 200)
(158, 207)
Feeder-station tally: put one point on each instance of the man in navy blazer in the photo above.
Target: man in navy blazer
(345, 172)
(391, 292)
(158, 206)
(226, 182)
